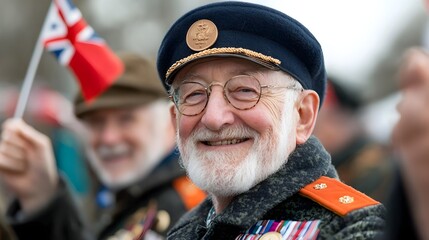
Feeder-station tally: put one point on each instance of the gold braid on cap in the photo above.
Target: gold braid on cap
(214, 51)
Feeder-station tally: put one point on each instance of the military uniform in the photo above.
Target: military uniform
(156, 203)
(345, 213)
(303, 199)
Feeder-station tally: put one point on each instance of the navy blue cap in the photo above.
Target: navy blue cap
(239, 29)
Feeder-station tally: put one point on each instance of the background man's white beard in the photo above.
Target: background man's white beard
(144, 167)
(121, 182)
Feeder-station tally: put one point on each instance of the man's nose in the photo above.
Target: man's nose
(109, 134)
(218, 111)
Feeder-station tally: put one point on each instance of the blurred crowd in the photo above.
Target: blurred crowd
(89, 157)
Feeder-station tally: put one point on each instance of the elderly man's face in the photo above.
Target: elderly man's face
(125, 143)
(227, 151)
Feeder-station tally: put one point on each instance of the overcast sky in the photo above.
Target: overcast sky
(353, 33)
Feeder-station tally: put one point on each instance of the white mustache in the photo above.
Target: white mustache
(238, 132)
(107, 152)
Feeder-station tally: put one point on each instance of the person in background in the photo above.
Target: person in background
(408, 206)
(142, 189)
(247, 82)
(360, 161)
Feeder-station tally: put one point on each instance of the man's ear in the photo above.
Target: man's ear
(308, 107)
(173, 116)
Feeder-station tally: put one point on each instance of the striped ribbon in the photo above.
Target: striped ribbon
(290, 230)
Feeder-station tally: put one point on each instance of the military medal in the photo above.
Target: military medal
(271, 236)
(139, 224)
(278, 230)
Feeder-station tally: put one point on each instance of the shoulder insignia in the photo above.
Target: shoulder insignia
(191, 195)
(336, 196)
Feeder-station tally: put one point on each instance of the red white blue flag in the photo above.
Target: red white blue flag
(75, 44)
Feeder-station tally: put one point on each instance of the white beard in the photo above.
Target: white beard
(224, 173)
(145, 163)
(145, 160)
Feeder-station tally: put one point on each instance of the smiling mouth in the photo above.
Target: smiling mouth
(115, 157)
(224, 142)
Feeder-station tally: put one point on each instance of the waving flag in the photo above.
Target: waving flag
(76, 45)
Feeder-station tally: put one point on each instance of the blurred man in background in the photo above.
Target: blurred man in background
(142, 189)
(361, 162)
(408, 205)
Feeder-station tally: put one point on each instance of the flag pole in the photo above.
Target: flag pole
(31, 70)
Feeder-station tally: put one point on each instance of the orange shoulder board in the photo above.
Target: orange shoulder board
(336, 196)
(191, 195)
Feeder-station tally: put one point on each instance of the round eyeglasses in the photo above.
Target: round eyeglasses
(243, 92)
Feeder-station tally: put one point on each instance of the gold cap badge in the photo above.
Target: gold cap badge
(201, 35)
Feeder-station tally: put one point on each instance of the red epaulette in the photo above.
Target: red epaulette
(336, 196)
(191, 195)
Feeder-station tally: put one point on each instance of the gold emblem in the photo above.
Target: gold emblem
(201, 35)
(320, 186)
(271, 236)
(346, 199)
(162, 221)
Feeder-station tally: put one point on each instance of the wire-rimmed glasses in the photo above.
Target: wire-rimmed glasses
(243, 92)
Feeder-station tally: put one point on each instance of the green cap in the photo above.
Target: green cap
(138, 85)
